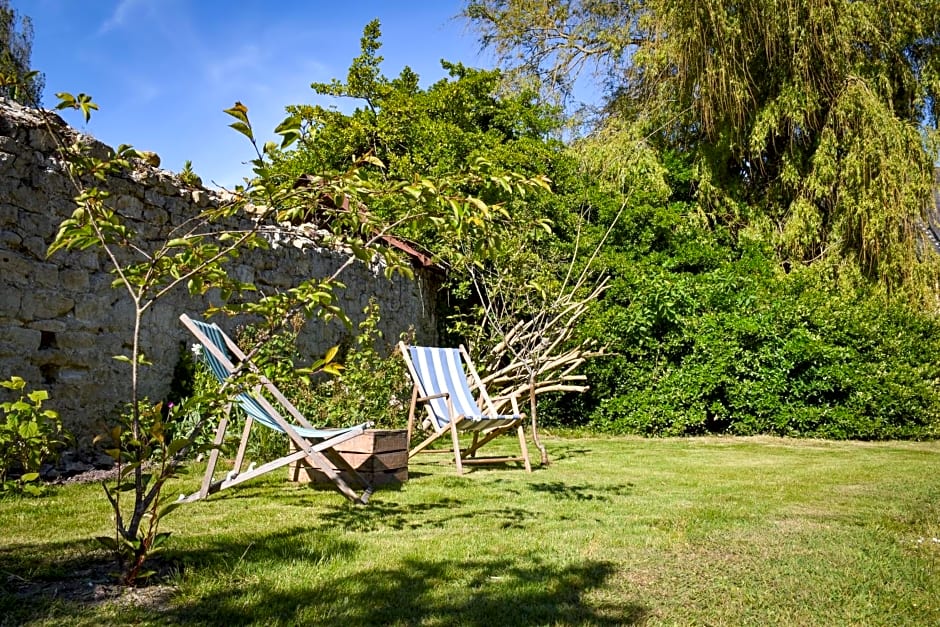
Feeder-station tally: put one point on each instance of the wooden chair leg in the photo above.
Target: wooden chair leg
(411, 416)
(473, 444)
(214, 454)
(525, 449)
(243, 445)
(456, 439)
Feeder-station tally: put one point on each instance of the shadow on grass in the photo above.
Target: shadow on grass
(565, 491)
(395, 516)
(46, 580)
(249, 582)
(474, 592)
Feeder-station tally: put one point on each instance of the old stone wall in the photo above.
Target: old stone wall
(61, 321)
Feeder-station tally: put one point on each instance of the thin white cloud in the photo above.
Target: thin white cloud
(120, 15)
(249, 58)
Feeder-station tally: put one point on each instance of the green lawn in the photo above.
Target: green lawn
(614, 531)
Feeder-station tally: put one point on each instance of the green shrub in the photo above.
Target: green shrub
(373, 385)
(744, 349)
(29, 436)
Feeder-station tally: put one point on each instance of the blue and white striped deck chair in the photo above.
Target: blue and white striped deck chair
(312, 446)
(441, 383)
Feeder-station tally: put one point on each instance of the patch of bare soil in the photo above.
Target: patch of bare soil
(96, 584)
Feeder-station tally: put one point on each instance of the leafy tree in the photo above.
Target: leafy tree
(17, 80)
(515, 305)
(812, 121)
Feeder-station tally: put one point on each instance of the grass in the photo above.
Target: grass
(613, 532)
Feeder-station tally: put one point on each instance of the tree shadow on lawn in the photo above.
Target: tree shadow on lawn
(66, 583)
(583, 492)
(483, 592)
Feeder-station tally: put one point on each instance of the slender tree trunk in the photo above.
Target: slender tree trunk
(535, 421)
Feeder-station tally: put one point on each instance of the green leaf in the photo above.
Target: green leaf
(176, 446)
(37, 396)
(15, 383)
(238, 111)
(331, 354)
(243, 128)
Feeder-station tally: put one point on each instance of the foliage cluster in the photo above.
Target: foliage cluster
(709, 335)
(17, 80)
(372, 386)
(29, 437)
(812, 121)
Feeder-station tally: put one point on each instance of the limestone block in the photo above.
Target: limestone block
(129, 206)
(243, 272)
(155, 198)
(73, 375)
(40, 304)
(8, 144)
(87, 259)
(37, 221)
(53, 326)
(74, 340)
(179, 208)
(74, 280)
(42, 140)
(156, 216)
(37, 246)
(14, 268)
(44, 275)
(7, 162)
(10, 240)
(13, 364)
(199, 196)
(9, 215)
(19, 341)
(51, 359)
(10, 299)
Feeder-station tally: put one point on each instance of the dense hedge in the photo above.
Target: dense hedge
(709, 336)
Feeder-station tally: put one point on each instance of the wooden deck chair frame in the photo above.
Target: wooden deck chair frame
(475, 415)
(314, 447)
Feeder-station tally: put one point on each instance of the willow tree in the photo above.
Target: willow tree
(813, 121)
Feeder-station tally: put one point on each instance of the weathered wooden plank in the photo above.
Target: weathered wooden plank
(376, 441)
(379, 455)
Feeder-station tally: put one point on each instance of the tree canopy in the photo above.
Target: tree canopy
(812, 122)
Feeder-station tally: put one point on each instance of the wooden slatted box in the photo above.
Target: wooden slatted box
(379, 455)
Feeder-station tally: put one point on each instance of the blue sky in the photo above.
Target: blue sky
(162, 71)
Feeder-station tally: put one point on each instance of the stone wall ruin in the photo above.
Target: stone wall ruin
(61, 322)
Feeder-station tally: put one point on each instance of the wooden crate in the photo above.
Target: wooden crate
(379, 455)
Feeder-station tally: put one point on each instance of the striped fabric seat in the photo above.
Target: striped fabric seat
(442, 378)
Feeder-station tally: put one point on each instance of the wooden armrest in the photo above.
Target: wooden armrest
(424, 399)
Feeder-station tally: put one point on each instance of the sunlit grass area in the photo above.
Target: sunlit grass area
(614, 531)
